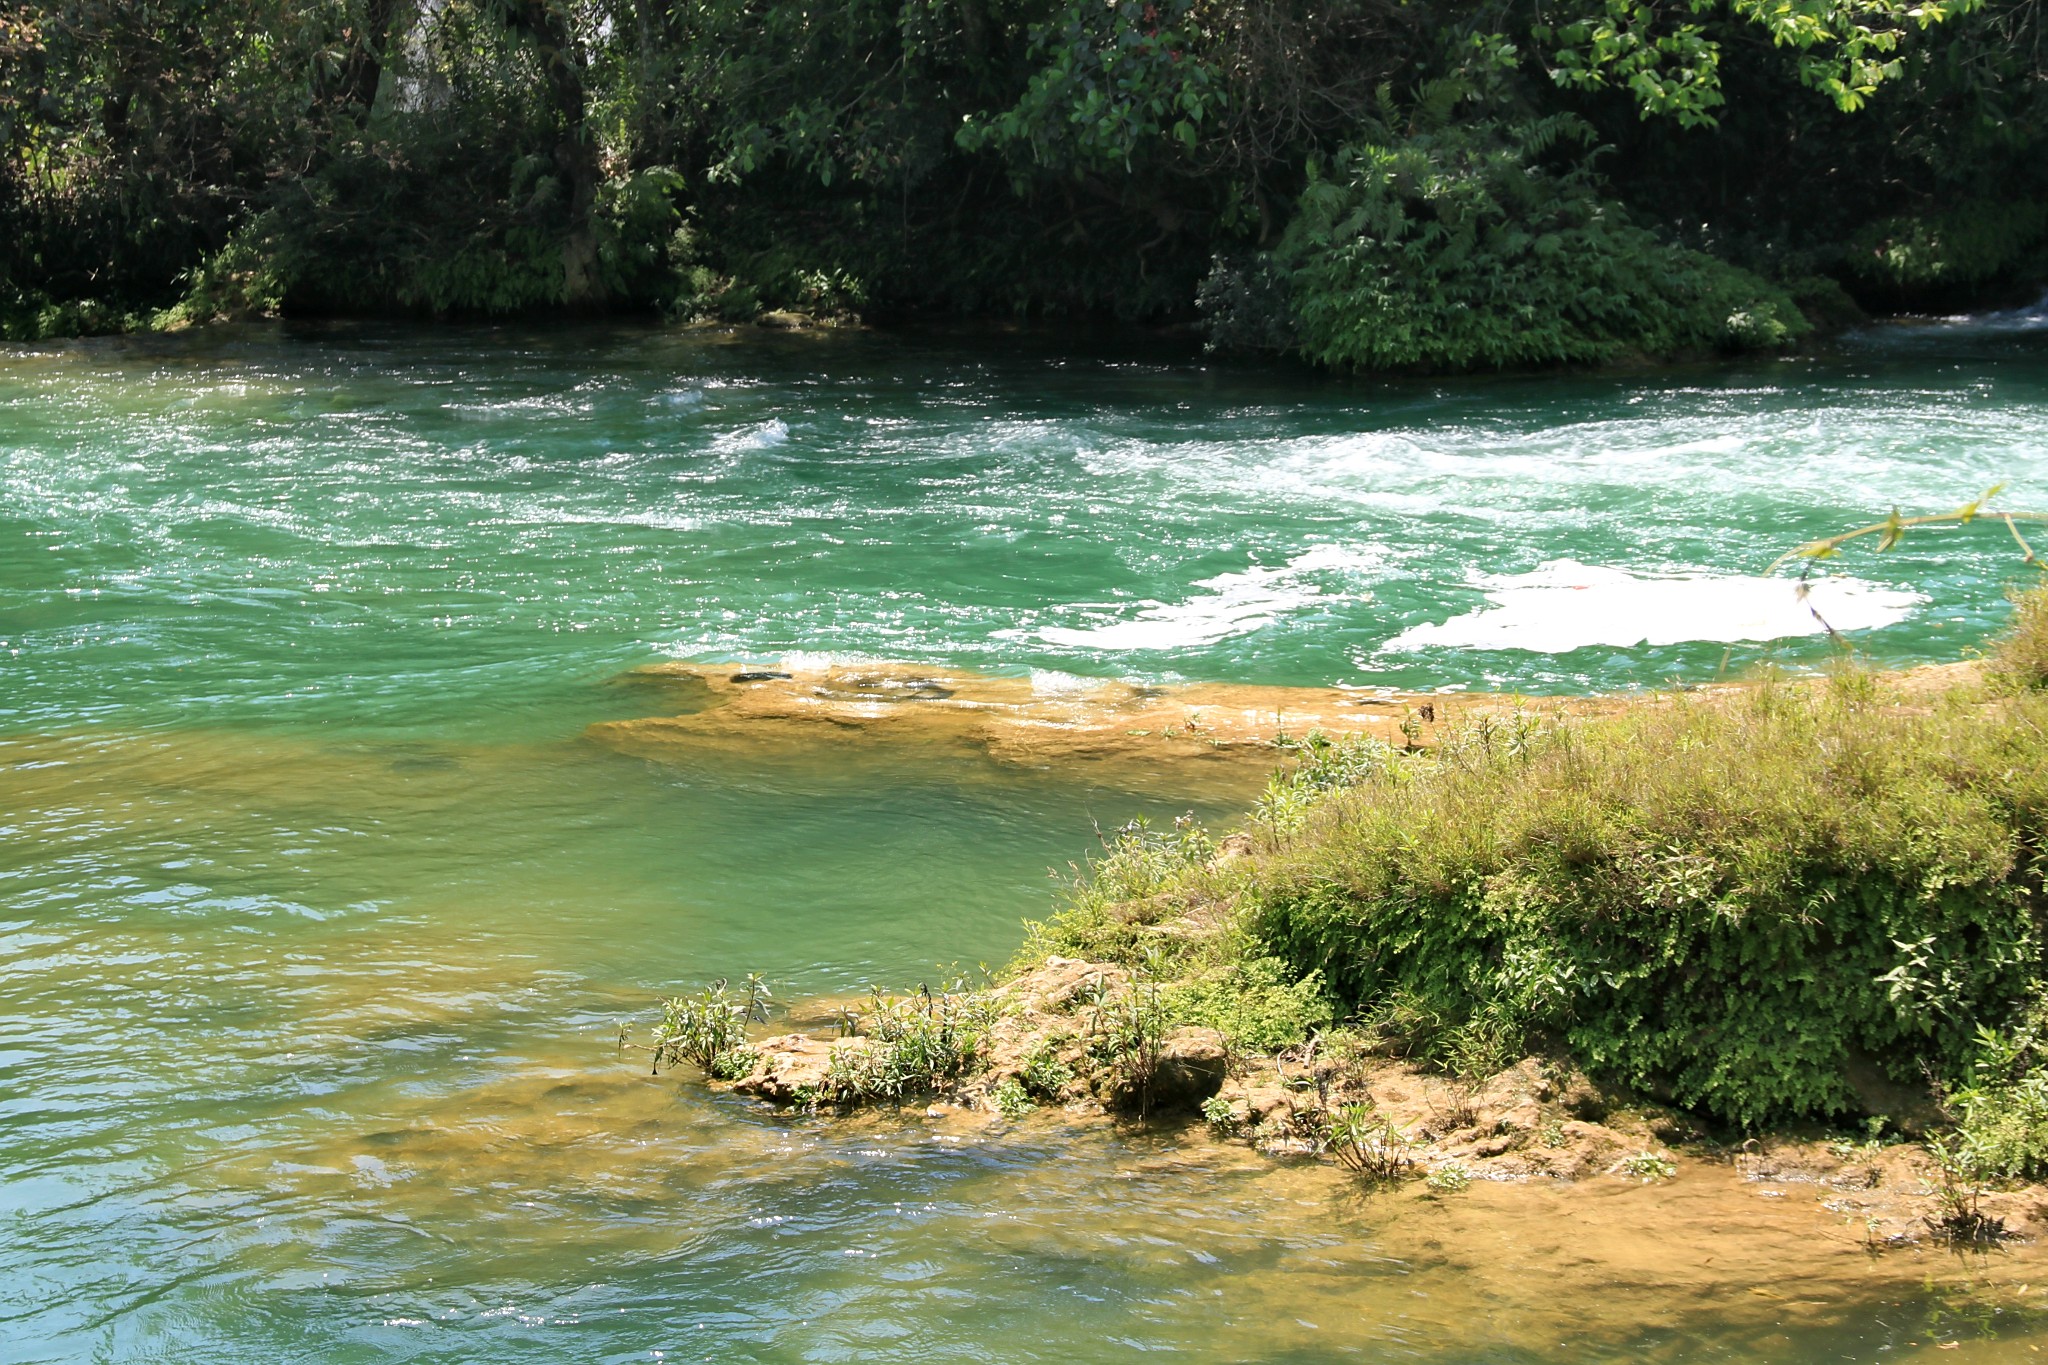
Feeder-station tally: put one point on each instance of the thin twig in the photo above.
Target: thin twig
(2031, 558)
(1892, 527)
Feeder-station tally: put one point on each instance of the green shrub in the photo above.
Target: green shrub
(31, 315)
(1043, 1073)
(1009, 1098)
(1247, 305)
(1459, 246)
(1258, 1003)
(1727, 903)
(1960, 1175)
(2002, 1112)
(2006, 1123)
(247, 277)
(1723, 903)
(916, 1044)
(1825, 303)
(1100, 920)
(1975, 242)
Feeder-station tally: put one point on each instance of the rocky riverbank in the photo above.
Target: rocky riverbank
(1431, 952)
(1053, 1044)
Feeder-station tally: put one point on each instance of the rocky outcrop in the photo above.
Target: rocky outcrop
(1044, 720)
(1046, 1031)
(1192, 1066)
(1059, 985)
(792, 1068)
(1030, 722)
(1532, 1121)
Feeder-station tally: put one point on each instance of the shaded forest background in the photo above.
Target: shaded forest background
(1384, 184)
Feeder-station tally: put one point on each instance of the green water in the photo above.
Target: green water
(318, 916)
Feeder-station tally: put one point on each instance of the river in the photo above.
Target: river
(320, 915)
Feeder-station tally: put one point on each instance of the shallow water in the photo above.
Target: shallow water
(319, 918)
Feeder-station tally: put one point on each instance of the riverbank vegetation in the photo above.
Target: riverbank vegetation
(1364, 183)
(1809, 901)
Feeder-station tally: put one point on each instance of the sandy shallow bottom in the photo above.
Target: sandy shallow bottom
(1164, 1237)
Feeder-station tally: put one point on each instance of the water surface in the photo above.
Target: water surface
(319, 918)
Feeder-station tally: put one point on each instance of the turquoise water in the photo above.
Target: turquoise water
(319, 916)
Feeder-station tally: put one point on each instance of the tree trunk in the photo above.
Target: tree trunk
(974, 27)
(355, 90)
(546, 23)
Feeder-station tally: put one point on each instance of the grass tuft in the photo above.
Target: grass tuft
(2020, 662)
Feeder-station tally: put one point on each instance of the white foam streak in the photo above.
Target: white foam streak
(2032, 317)
(1565, 605)
(1235, 604)
(773, 432)
(1049, 682)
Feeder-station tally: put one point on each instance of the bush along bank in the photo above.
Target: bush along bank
(1549, 944)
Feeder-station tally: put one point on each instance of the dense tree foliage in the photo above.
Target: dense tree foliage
(1383, 183)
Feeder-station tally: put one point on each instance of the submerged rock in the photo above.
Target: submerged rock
(1030, 722)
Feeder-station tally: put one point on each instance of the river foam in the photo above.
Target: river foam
(1564, 605)
(761, 436)
(1234, 604)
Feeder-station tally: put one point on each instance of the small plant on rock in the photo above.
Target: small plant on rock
(1129, 1036)
(1647, 1166)
(1449, 1178)
(1044, 1073)
(1958, 1189)
(1366, 1141)
(1222, 1115)
(710, 1028)
(734, 1063)
(915, 1044)
(862, 1073)
(1009, 1098)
